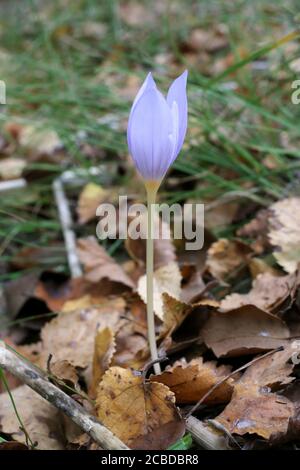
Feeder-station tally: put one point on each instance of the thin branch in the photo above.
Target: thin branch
(33, 377)
(205, 436)
(12, 184)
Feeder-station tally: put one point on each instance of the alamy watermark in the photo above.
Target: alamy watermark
(2, 92)
(295, 98)
(170, 221)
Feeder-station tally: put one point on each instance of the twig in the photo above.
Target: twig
(32, 377)
(67, 223)
(12, 184)
(248, 364)
(72, 177)
(204, 435)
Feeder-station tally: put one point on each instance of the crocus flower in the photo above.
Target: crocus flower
(157, 127)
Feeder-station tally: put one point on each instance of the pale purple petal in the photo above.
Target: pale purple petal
(150, 134)
(148, 84)
(177, 93)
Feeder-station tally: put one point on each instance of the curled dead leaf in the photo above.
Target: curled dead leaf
(268, 293)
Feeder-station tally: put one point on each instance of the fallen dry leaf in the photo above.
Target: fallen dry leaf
(11, 168)
(272, 370)
(132, 348)
(192, 288)
(167, 279)
(70, 336)
(99, 265)
(292, 392)
(104, 349)
(258, 266)
(174, 313)
(40, 418)
(257, 229)
(90, 198)
(244, 330)
(268, 293)
(64, 373)
(142, 414)
(164, 249)
(190, 381)
(82, 303)
(285, 232)
(225, 257)
(253, 407)
(39, 141)
(207, 40)
(134, 13)
(251, 411)
(220, 214)
(13, 445)
(18, 291)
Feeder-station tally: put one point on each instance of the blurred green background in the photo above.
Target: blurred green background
(73, 67)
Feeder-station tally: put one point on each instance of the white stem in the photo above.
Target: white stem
(151, 197)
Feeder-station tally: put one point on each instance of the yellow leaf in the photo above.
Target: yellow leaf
(142, 414)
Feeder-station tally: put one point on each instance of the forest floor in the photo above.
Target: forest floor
(72, 70)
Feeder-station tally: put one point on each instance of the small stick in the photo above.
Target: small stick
(66, 223)
(248, 364)
(13, 184)
(205, 436)
(32, 377)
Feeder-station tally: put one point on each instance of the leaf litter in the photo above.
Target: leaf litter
(96, 346)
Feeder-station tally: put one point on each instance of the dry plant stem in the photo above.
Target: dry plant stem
(32, 377)
(205, 436)
(151, 187)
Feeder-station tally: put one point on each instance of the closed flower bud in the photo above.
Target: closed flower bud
(157, 127)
